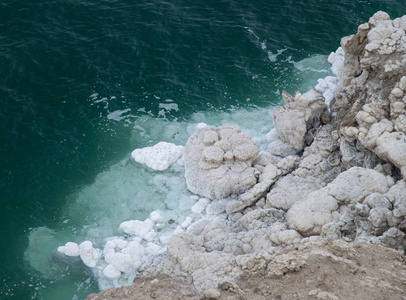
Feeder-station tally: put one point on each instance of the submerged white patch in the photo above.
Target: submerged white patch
(118, 114)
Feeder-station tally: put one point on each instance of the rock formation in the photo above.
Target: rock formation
(298, 214)
(218, 161)
(315, 269)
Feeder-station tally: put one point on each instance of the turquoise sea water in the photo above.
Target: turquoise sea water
(83, 83)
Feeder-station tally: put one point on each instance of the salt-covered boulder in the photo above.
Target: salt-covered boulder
(321, 207)
(380, 215)
(356, 184)
(158, 157)
(218, 161)
(200, 205)
(290, 189)
(309, 216)
(301, 113)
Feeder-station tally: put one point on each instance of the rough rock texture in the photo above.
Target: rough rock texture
(283, 196)
(320, 213)
(371, 96)
(218, 161)
(316, 270)
(300, 114)
(321, 207)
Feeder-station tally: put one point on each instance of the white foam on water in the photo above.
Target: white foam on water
(316, 63)
(117, 115)
(274, 56)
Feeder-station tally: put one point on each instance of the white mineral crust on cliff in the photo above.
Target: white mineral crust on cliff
(310, 214)
(301, 112)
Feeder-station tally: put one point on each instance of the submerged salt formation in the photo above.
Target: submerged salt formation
(332, 172)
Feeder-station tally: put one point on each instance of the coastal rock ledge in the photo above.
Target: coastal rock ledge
(319, 214)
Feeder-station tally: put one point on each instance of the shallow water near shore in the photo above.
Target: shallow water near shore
(88, 82)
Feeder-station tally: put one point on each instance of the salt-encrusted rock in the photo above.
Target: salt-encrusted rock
(393, 238)
(218, 161)
(280, 148)
(317, 209)
(309, 216)
(206, 268)
(155, 216)
(380, 214)
(355, 184)
(371, 93)
(260, 218)
(158, 157)
(211, 293)
(200, 205)
(392, 147)
(301, 113)
(397, 197)
(253, 194)
(110, 271)
(290, 189)
(322, 158)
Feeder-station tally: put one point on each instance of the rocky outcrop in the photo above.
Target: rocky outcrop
(300, 212)
(218, 161)
(322, 206)
(371, 95)
(315, 269)
(296, 121)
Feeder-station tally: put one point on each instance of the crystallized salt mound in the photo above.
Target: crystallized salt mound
(218, 161)
(143, 229)
(158, 157)
(70, 249)
(89, 255)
